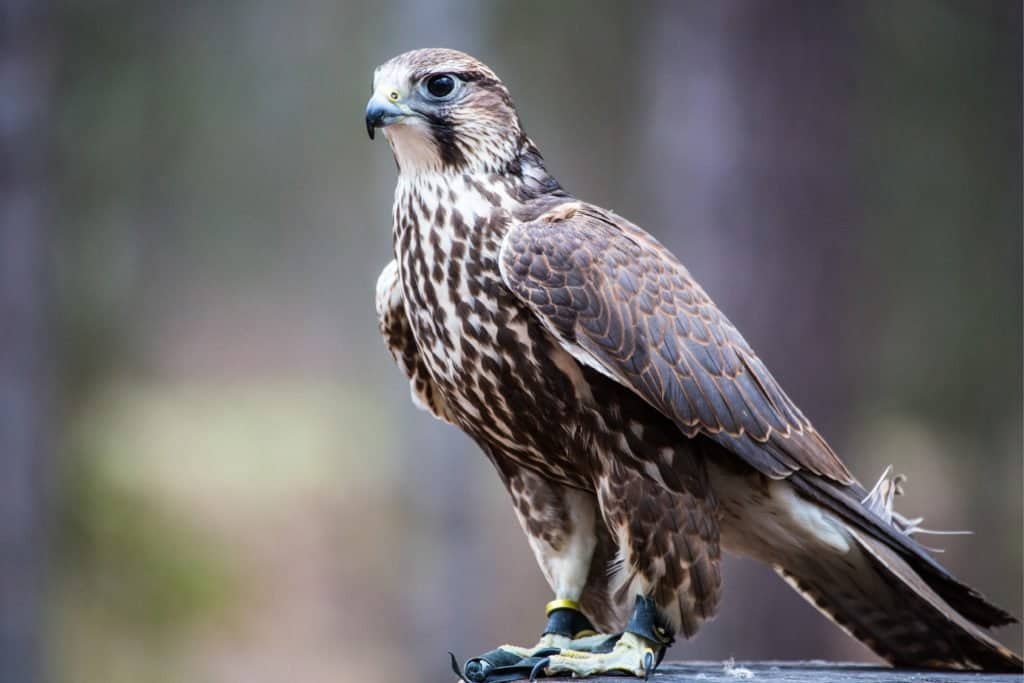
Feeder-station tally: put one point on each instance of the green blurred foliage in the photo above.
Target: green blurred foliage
(138, 563)
(130, 572)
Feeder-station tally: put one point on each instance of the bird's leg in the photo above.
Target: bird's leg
(647, 552)
(637, 651)
(567, 630)
(560, 524)
(566, 625)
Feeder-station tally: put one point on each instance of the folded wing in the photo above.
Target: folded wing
(622, 303)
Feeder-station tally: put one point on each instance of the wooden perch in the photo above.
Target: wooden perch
(800, 672)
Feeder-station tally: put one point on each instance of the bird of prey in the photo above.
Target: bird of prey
(634, 427)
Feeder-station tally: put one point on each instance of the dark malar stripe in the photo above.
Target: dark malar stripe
(445, 139)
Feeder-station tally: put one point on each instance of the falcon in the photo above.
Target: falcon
(637, 432)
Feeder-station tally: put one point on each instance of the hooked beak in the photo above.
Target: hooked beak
(380, 112)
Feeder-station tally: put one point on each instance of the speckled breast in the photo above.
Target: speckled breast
(497, 369)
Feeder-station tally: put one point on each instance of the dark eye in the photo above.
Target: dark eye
(441, 85)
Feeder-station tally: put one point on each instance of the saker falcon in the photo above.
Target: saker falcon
(635, 429)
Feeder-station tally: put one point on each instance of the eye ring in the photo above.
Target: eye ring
(393, 95)
(440, 86)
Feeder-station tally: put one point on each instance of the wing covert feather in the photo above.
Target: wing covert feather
(622, 303)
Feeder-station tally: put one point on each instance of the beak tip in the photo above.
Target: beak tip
(381, 112)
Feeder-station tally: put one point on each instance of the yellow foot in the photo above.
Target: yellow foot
(548, 641)
(512, 662)
(632, 654)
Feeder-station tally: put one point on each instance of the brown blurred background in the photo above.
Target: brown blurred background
(210, 469)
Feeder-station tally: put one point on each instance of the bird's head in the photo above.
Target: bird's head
(442, 110)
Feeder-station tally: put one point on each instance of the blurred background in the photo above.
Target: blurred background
(210, 470)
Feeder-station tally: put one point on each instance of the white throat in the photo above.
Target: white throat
(414, 148)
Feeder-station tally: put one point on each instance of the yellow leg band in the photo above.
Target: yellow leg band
(560, 604)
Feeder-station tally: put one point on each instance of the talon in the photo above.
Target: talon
(538, 668)
(455, 665)
(547, 652)
(648, 664)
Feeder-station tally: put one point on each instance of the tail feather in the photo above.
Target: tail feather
(853, 558)
(965, 642)
(854, 506)
(876, 596)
